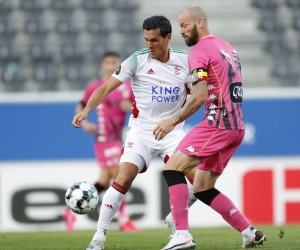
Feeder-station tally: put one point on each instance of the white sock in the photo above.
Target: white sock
(110, 205)
(185, 233)
(248, 232)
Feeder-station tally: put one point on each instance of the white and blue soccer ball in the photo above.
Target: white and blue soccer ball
(81, 197)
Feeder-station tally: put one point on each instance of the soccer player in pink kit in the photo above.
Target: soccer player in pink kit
(217, 82)
(111, 114)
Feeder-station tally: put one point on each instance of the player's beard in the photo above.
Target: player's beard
(193, 38)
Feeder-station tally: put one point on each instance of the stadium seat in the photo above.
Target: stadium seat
(286, 71)
(277, 47)
(296, 22)
(97, 26)
(93, 5)
(74, 74)
(45, 75)
(38, 52)
(5, 8)
(12, 77)
(294, 4)
(271, 23)
(6, 30)
(129, 47)
(69, 52)
(8, 53)
(62, 5)
(98, 49)
(31, 6)
(127, 25)
(34, 26)
(265, 4)
(124, 5)
(65, 27)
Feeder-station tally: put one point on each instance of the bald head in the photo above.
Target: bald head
(193, 24)
(196, 12)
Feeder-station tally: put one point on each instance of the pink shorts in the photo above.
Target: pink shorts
(108, 154)
(213, 146)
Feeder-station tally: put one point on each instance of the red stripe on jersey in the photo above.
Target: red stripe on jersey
(166, 158)
(135, 110)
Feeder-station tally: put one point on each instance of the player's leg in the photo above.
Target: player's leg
(204, 186)
(174, 172)
(130, 165)
(125, 223)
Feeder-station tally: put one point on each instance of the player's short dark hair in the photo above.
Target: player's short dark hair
(110, 54)
(158, 22)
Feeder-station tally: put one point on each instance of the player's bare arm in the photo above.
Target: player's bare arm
(88, 127)
(126, 105)
(96, 98)
(189, 87)
(197, 99)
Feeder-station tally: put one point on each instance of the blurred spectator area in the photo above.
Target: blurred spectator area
(279, 23)
(56, 45)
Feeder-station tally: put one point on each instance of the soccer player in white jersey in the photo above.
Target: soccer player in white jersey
(158, 78)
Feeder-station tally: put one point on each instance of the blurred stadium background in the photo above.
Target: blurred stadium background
(50, 50)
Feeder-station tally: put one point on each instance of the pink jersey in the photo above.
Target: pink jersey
(110, 117)
(216, 61)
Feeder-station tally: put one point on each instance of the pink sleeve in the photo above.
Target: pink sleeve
(198, 58)
(87, 93)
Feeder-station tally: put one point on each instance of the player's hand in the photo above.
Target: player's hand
(79, 118)
(163, 128)
(89, 127)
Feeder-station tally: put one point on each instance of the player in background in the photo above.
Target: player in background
(108, 131)
(158, 74)
(217, 83)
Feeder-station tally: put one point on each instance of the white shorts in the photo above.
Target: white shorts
(142, 142)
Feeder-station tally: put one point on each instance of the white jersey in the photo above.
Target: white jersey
(158, 88)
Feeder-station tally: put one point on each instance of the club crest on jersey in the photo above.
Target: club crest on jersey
(177, 70)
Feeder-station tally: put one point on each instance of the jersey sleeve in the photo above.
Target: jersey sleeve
(87, 94)
(198, 63)
(127, 69)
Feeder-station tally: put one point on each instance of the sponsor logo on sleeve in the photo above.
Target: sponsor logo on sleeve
(118, 70)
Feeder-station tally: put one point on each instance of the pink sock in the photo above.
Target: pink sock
(179, 197)
(224, 206)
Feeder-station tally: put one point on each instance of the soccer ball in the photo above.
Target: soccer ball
(81, 197)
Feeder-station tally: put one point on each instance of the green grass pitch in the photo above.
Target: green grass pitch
(149, 239)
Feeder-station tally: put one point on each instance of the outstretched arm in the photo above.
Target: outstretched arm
(197, 99)
(96, 98)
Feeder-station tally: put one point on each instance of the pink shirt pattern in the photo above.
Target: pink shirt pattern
(110, 117)
(223, 107)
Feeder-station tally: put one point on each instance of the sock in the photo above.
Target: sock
(225, 207)
(179, 197)
(248, 232)
(110, 205)
(99, 187)
(122, 216)
(192, 197)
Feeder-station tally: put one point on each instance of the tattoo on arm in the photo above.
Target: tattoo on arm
(196, 100)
